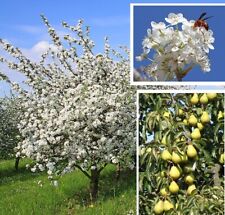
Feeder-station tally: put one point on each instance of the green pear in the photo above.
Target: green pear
(204, 99)
(166, 155)
(166, 114)
(163, 174)
(174, 172)
(221, 158)
(180, 112)
(173, 188)
(200, 126)
(167, 205)
(159, 207)
(192, 120)
(196, 135)
(191, 151)
(190, 189)
(185, 122)
(205, 117)
(220, 115)
(211, 96)
(176, 158)
(184, 158)
(164, 192)
(142, 151)
(194, 99)
(189, 179)
(164, 140)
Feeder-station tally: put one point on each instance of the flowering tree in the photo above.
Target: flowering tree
(9, 134)
(178, 46)
(80, 111)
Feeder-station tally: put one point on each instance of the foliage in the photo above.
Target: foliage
(165, 125)
(10, 112)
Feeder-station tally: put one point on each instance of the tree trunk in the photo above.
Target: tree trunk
(94, 184)
(17, 163)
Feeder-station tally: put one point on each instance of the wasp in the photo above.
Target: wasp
(200, 22)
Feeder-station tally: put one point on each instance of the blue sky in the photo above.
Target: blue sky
(20, 22)
(143, 15)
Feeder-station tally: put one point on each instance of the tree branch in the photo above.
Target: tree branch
(85, 173)
(102, 168)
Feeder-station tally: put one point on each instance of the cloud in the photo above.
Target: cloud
(35, 52)
(113, 21)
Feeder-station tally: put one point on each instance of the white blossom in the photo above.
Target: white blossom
(177, 48)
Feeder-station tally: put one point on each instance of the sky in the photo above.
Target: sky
(143, 15)
(21, 25)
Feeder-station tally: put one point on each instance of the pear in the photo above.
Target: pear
(183, 139)
(189, 179)
(167, 205)
(176, 158)
(164, 192)
(220, 115)
(200, 126)
(166, 155)
(196, 135)
(205, 117)
(149, 150)
(191, 151)
(221, 159)
(194, 99)
(192, 120)
(164, 141)
(180, 112)
(173, 188)
(158, 209)
(190, 189)
(204, 99)
(166, 114)
(142, 151)
(211, 96)
(163, 174)
(177, 140)
(174, 172)
(184, 158)
(185, 122)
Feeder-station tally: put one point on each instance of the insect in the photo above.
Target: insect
(200, 22)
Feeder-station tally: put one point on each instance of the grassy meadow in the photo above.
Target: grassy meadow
(25, 193)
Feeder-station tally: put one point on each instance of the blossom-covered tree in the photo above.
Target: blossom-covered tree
(9, 134)
(177, 46)
(80, 109)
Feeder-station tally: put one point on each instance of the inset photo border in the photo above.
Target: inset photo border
(177, 109)
(177, 43)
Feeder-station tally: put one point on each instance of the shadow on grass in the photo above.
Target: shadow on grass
(9, 174)
(109, 187)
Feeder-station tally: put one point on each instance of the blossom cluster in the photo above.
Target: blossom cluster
(178, 46)
(80, 111)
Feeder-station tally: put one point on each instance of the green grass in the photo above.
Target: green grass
(20, 193)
